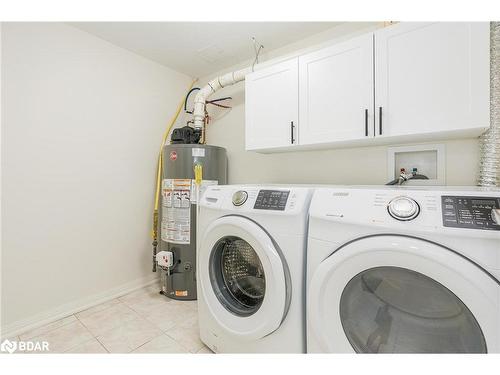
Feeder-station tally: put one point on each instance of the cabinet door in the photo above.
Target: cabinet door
(271, 106)
(336, 92)
(432, 78)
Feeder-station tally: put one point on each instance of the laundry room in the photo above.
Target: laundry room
(216, 185)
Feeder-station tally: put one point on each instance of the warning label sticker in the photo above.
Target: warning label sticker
(176, 211)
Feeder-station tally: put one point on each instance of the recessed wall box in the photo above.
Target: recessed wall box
(429, 159)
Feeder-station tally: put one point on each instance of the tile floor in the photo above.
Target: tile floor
(140, 322)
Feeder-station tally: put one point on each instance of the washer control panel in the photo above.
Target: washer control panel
(471, 212)
(271, 200)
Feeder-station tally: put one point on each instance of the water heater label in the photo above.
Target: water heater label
(198, 152)
(176, 211)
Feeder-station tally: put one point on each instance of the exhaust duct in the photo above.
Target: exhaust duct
(212, 86)
(489, 156)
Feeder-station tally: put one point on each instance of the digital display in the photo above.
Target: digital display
(483, 202)
(271, 200)
(469, 212)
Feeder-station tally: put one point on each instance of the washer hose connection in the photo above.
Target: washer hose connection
(403, 177)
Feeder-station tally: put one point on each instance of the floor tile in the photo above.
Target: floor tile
(187, 337)
(205, 350)
(128, 336)
(104, 320)
(167, 316)
(97, 308)
(161, 344)
(47, 328)
(11, 338)
(189, 320)
(193, 305)
(145, 299)
(142, 321)
(90, 347)
(65, 337)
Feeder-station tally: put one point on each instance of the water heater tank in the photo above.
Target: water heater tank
(178, 210)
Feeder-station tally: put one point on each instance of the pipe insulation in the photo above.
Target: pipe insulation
(214, 85)
(489, 153)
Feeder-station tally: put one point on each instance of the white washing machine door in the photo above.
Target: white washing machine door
(401, 294)
(244, 277)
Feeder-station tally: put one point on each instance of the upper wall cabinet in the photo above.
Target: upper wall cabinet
(271, 106)
(404, 83)
(336, 92)
(432, 78)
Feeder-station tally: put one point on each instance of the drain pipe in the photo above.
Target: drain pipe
(213, 86)
(489, 156)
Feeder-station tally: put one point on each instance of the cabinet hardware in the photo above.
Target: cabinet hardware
(380, 120)
(366, 123)
(291, 132)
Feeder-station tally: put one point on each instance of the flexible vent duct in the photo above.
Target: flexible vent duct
(489, 167)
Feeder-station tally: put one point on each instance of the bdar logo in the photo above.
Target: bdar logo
(24, 346)
(8, 346)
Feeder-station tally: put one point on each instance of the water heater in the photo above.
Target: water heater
(177, 224)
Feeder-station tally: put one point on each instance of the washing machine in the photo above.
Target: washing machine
(404, 270)
(251, 268)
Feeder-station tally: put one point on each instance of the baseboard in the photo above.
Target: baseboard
(49, 316)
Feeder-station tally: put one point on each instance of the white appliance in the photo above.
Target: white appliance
(404, 270)
(251, 268)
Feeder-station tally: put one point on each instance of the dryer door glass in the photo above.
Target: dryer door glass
(397, 310)
(237, 276)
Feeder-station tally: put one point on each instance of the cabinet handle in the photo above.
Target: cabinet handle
(366, 123)
(380, 120)
(291, 132)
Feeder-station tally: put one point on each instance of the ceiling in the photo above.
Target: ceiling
(200, 48)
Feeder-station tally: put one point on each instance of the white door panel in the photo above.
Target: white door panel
(435, 300)
(431, 78)
(336, 92)
(271, 106)
(264, 318)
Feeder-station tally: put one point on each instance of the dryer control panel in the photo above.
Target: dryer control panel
(471, 212)
(271, 200)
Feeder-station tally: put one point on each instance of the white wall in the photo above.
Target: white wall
(367, 165)
(81, 125)
(1, 183)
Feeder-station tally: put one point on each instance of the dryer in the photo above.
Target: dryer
(404, 270)
(251, 268)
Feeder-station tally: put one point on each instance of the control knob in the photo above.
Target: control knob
(495, 215)
(240, 197)
(403, 208)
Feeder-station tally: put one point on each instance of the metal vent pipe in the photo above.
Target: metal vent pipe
(489, 156)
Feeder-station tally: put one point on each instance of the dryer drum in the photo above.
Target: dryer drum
(396, 310)
(237, 276)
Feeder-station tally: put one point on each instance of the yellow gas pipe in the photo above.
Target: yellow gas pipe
(154, 231)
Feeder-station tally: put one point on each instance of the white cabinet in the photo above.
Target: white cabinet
(405, 83)
(336, 92)
(432, 78)
(271, 106)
